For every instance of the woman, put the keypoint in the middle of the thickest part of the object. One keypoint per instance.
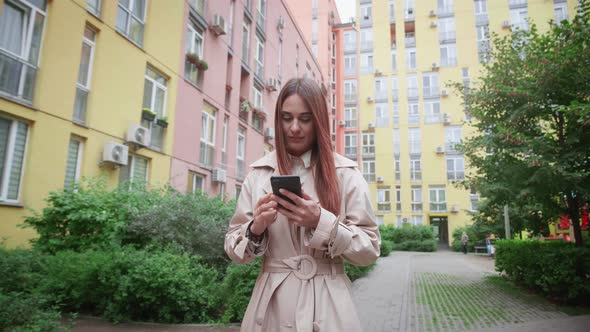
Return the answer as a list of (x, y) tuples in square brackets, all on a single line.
[(464, 240), (302, 285)]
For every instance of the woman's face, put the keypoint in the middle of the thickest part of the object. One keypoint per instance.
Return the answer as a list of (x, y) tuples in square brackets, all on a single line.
[(298, 127)]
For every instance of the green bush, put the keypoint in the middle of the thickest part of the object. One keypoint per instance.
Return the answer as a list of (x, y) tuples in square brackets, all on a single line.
[(409, 238), (236, 289), (20, 270), (386, 247), (26, 312), (416, 245), (559, 270), (354, 271)]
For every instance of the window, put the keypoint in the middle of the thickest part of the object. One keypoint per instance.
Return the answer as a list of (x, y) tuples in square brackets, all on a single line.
[(369, 170), (394, 88), (154, 98), (408, 9), (196, 182), (131, 19), (349, 64), (21, 31), (93, 6), (474, 197), (455, 168), (230, 29), (84, 75), (448, 55), (261, 14), (13, 143), (396, 142), (481, 7), (199, 6), (417, 220), (350, 145), (518, 18), (257, 121), (415, 168), (445, 7), (391, 11), (367, 63), (384, 200), (483, 42), (381, 90), (432, 111), (246, 42), (381, 115), (416, 199), (393, 60), (560, 12), (280, 61), (446, 29), (430, 87), (366, 15), (395, 113), (398, 198), (379, 220), (207, 147), (367, 38), (259, 65), (398, 171), (438, 201), (349, 41), (369, 145), (350, 91), (241, 152), (224, 144), (74, 161), (414, 140), (314, 31), (412, 82), (411, 58), (136, 170), (350, 117), (194, 45), (413, 113), (452, 137)]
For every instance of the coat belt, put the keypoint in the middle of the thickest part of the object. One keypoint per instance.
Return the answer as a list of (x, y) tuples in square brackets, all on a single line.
[(303, 267)]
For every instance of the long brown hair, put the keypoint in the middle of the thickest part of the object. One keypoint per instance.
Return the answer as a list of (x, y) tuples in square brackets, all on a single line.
[(326, 182)]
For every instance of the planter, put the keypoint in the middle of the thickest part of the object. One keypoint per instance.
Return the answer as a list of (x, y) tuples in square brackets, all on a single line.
[(162, 123), (245, 106), (193, 59), (148, 115)]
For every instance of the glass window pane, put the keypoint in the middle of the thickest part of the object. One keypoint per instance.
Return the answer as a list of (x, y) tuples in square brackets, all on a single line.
[(147, 94), (4, 132), (159, 104), (84, 64), (140, 169), (72, 163), (136, 31), (11, 28), (80, 105), (122, 19), (17, 161), (138, 8)]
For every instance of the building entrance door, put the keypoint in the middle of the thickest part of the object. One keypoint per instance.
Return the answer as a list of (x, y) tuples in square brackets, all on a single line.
[(440, 226)]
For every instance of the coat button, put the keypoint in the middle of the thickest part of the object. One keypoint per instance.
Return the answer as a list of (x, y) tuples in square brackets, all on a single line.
[(259, 321), (316, 327)]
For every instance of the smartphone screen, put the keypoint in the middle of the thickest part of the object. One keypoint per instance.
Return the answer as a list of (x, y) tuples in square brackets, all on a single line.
[(291, 183)]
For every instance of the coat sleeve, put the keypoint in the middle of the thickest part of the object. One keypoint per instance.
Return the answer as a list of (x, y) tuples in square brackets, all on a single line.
[(354, 234), (239, 248)]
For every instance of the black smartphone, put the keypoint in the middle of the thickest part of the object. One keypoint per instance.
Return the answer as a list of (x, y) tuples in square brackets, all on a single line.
[(291, 183)]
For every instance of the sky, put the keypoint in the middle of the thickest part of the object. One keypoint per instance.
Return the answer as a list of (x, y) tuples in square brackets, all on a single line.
[(346, 9)]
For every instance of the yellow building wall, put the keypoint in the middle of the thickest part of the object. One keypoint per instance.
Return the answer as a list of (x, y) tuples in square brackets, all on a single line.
[(115, 100), (434, 169)]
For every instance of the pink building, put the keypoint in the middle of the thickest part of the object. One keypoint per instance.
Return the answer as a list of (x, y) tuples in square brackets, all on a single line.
[(235, 57)]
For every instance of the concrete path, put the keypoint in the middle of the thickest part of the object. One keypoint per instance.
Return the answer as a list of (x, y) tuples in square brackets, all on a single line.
[(445, 291)]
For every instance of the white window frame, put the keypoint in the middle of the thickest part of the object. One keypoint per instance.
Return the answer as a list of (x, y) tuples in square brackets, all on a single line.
[(350, 88), (367, 63), (393, 60), (259, 57), (414, 140), (432, 113), (366, 12), (413, 112), (383, 199), (131, 15), (8, 162), (562, 7), (240, 151), (415, 168), (246, 41), (417, 220), (131, 168), (436, 204), (446, 29), (430, 86), (156, 85), (350, 117), (85, 88), (448, 55), (397, 168), (94, 10), (79, 155), (417, 202), (412, 81), (369, 170), (368, 143), (457, 172), (350, 64), (481, 7), (230, 32), (350, 144), (396, 142), (382, 115), (411, 59), (398, 199), (209, 123), (518, 18), (224, 141), (395, 112), (194, 177), (453, 136)]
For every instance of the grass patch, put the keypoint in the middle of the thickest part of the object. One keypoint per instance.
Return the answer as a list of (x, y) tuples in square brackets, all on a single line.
[(525, 295)]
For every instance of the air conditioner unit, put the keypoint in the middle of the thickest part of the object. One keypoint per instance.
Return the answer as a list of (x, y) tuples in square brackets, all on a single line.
[(446, 118), (506, 24), (439, 149), (272, 84), (370, 99), (433, 24), (380, 179), (281, 23), (370, 125), (269, 133), (435, 65), (115, 153), (432, 13), (218, 175), (139, 135), (342, 123), (454, 209), (218, 25)]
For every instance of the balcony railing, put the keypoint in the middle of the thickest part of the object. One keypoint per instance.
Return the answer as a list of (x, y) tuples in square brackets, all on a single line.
[(448, 62), (521, 26), (350, 47), (366, 69), (431, 92), (350, 98), (350, 124), (414, 119), (382, 122), (410, 41), (381, 95), (412, 93), (17, 77), (367, 45), (350, 152), (368, 151), (348, 71), (447, 36), (445, 11), (451, 146), (432, 118)]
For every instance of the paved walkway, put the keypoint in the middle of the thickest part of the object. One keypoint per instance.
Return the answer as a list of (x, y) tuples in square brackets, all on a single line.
[(415, 292), (445, 291)]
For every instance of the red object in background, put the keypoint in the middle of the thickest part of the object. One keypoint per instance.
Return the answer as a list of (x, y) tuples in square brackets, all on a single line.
[(564, 222), (567, 238), (551, 236), (585, 216)]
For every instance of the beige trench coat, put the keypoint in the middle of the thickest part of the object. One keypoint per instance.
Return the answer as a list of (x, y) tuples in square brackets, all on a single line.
[(302, 286)]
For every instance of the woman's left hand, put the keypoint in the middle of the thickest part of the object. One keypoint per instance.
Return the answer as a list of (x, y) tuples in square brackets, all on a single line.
[(304, 213)]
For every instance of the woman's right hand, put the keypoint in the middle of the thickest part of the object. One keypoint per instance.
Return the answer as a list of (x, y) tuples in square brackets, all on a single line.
[(264, 214)]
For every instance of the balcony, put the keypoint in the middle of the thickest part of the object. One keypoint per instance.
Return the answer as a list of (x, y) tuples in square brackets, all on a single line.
[(517, 3), (433, 118), (414, 119), (350, 48), (350, 98), (382, 122), (520, 26), (410, 41), (366, 21), (17, 77), (431, 92), (394, 94), (366, 69), (350, 152), (412, 93), (381, 95), (447, 36), (369, 152), (409, 15), (367, 46), (445, 11), (314, 13), (448, 62), (348, 71)]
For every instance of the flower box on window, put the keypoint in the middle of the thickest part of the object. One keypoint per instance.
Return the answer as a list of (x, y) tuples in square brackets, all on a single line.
[(163, 122), (194, 59), (261, 113), (245, 105), (147, 114)]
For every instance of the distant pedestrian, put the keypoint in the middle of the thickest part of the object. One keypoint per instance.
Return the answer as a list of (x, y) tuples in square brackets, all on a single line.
[(464, 240)]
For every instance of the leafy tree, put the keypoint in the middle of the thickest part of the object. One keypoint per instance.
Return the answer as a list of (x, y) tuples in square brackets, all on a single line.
[(532, 111)]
